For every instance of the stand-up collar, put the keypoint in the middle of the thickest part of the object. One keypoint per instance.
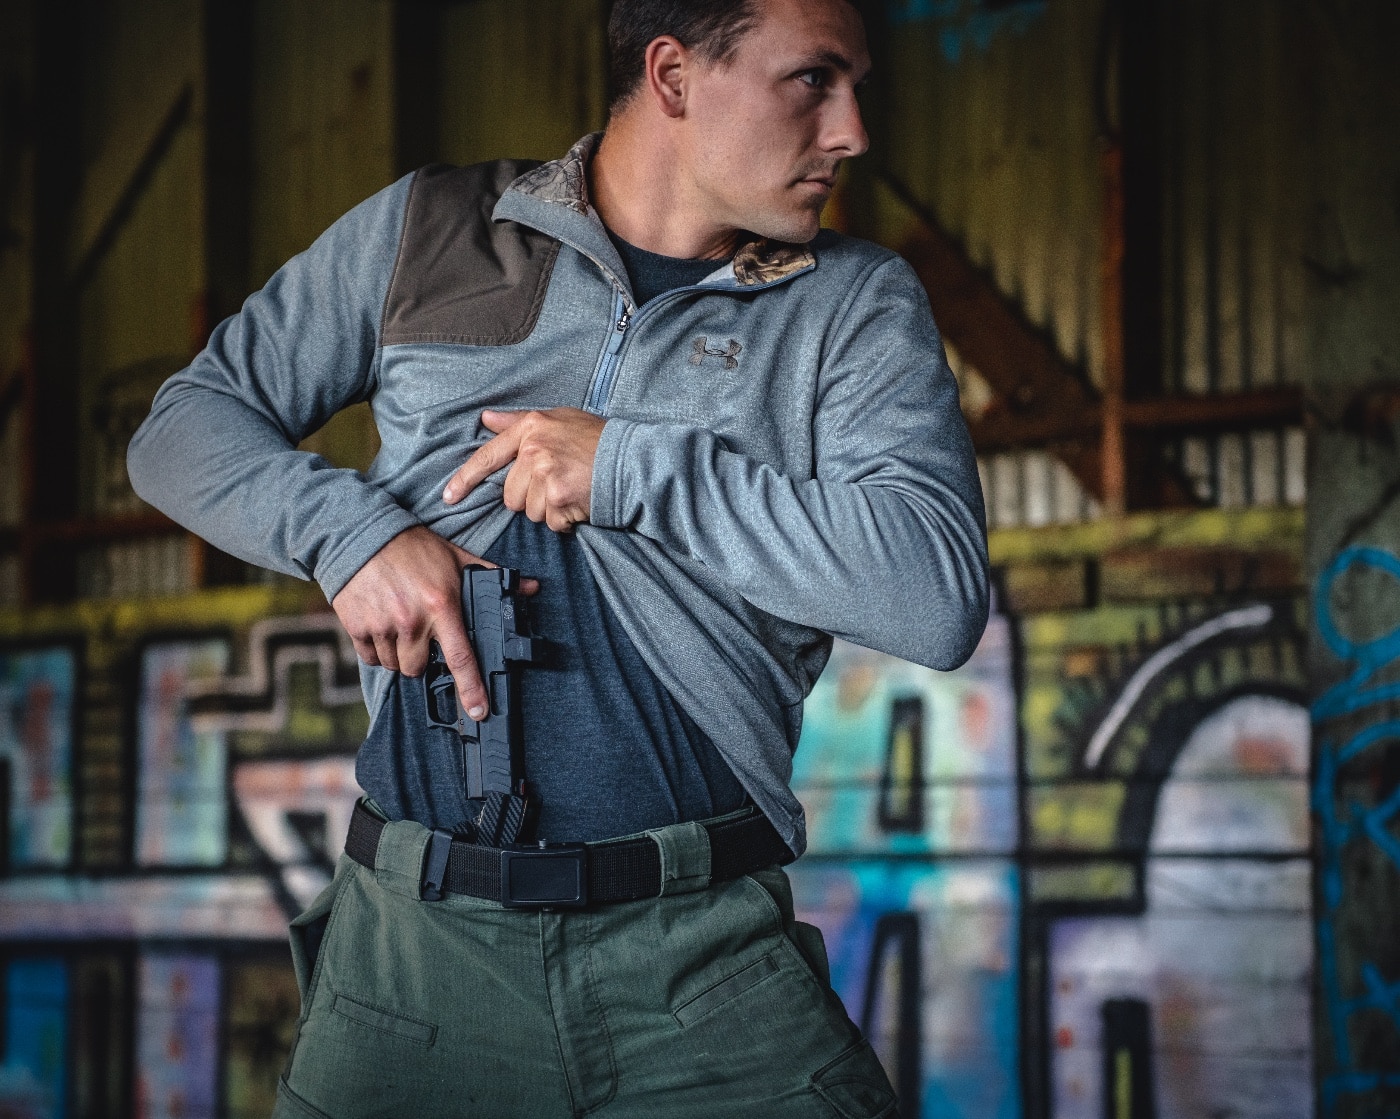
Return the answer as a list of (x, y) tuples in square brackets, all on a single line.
[(554, 195)]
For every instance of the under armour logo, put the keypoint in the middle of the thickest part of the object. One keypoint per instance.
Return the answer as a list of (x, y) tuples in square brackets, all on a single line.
[(700, 350)]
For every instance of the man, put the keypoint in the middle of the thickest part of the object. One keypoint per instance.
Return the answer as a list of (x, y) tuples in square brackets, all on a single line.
[(731, 436)]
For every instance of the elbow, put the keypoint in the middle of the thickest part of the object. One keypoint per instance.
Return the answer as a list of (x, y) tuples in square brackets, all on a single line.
[(953, 630), (960, 636), (142, 467), (151, 453)]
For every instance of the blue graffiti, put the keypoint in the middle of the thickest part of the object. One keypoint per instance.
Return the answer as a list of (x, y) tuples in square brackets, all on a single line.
[(1342, 824), (967, 25)]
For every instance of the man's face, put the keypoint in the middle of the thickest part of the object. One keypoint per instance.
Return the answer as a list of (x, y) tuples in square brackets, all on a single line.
[(770, 126)]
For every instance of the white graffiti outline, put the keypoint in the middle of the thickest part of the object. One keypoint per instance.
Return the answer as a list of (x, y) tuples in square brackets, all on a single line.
[(1247, 617), (273, 674)]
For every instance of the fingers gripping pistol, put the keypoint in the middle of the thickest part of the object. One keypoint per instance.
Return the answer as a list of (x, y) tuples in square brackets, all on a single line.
[(492, 755)]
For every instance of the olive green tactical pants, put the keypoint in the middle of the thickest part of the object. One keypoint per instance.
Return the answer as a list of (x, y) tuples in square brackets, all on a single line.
[(710, 1001)]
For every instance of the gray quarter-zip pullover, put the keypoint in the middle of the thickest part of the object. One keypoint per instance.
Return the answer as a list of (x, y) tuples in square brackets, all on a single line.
[(784, 458)]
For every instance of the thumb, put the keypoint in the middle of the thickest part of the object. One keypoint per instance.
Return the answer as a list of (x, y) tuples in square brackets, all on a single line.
[(465, 558)]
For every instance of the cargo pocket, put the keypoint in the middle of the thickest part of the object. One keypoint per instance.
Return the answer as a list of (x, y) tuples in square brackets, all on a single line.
[(855, 1085)]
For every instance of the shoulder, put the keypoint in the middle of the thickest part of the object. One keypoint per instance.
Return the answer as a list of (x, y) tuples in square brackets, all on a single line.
[(443, 193), (850, 256), (452, 256), (854, 273), (865, 281)]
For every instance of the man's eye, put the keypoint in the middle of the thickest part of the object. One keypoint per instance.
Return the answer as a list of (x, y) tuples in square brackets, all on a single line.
[(814, 78)]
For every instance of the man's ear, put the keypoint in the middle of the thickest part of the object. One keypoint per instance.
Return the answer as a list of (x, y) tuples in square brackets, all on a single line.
[(667, 63)]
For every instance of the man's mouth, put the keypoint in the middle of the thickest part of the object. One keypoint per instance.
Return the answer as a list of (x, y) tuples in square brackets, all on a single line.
[(822, 177)]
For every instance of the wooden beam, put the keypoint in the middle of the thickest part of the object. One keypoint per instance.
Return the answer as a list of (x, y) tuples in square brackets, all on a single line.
[(1039, 391), (1112, 437), (100, 530), (159, 147), (418, 30), (228, 160), (1274, 407), (1000, 429), (106, 530), (51, 440), (1019, 362)]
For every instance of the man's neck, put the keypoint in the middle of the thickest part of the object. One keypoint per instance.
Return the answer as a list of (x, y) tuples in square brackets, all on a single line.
[(640, 191)]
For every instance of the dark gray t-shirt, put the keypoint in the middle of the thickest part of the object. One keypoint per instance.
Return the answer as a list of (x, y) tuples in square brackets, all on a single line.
[(608, 751)]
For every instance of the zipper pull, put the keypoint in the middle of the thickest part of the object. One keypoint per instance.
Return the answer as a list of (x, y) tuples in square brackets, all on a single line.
[(623, 322)]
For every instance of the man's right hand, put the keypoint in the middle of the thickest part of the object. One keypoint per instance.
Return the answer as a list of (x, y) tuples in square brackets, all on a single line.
[(411, 591)]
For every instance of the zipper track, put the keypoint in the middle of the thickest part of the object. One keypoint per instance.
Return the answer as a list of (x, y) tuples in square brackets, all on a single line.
[(625, 319), (600, 387)]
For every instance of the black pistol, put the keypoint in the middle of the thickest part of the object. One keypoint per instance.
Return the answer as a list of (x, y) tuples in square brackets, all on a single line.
[(498, 628)]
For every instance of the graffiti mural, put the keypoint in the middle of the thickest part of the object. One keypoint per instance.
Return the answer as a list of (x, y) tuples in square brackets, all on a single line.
[(177, 1039), (925, 957), (1220, 958), (181, 799), (32, 1076), (1070, 879), (37, 688), (243, 783), (898, 759), (897, 766), (1168, 861), (1356, 799), (968, 25)]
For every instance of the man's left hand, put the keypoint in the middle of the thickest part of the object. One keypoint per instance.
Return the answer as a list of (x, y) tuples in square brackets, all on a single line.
[(553, 454)]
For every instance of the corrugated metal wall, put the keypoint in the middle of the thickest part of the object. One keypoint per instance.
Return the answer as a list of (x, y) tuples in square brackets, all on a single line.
[(993, 127), (1000, 143)]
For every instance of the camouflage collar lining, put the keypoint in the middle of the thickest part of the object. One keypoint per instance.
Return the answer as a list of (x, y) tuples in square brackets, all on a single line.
[(564, 182), (761, 261)]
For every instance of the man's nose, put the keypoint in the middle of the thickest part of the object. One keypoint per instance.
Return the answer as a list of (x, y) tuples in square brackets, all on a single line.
[(845, 131)]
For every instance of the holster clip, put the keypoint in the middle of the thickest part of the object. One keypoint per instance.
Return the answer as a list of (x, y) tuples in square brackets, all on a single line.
[(435, 864)]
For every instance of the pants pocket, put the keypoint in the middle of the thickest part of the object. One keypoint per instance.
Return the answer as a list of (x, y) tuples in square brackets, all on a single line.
[(289, 1105), (386, 1021), (813, 948), (712, 998), (774, 891), (308, 931)]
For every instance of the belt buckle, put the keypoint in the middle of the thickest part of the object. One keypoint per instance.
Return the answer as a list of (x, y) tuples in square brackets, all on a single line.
[(550, 876)]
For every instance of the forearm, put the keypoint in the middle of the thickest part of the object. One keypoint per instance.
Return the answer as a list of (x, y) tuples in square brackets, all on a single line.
[(214, 465), (895, 564), (218, 452)]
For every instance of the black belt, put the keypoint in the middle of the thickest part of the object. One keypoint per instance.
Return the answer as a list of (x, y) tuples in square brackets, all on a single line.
[(570, 875)]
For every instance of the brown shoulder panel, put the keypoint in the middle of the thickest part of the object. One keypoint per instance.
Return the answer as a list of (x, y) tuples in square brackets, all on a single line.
[(459, 276)]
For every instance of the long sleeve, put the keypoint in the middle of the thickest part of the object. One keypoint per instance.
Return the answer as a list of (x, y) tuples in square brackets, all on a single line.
[(885, 545), (218, 451)]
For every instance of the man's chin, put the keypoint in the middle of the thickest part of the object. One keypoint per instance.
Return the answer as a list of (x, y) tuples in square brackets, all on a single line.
[(795, 229)]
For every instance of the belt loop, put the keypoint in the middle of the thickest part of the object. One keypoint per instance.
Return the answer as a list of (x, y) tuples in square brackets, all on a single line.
[(398, 862), (685, 857)]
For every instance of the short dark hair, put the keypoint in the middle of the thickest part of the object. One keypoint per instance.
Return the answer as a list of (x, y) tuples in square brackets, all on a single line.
[(710, 28)]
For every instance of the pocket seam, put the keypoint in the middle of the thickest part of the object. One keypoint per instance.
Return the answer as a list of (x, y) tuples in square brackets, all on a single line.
[(780, 931), (314, 981), (381, 1019), (725, 991)]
